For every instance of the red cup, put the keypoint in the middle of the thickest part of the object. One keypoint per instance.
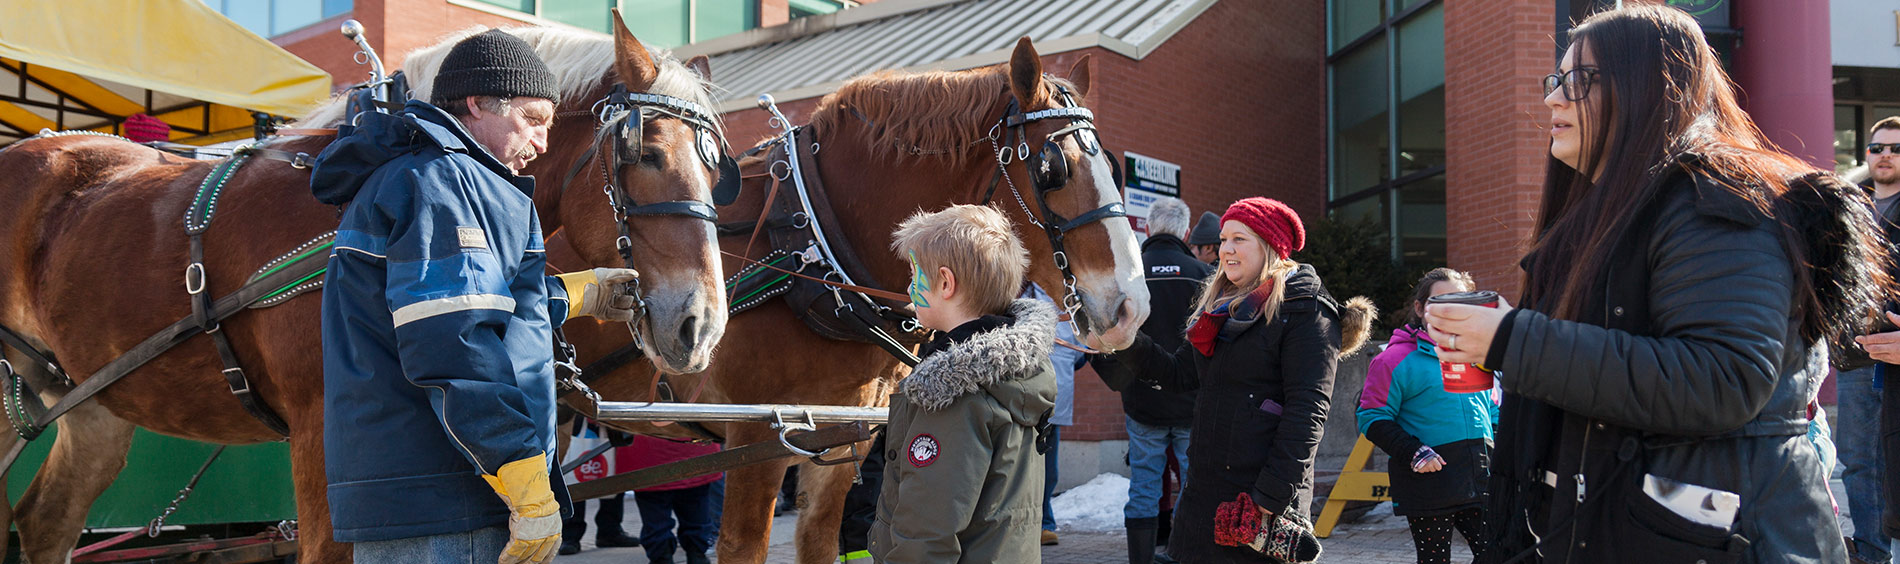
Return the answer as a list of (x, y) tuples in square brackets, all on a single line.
[(1463, 378)]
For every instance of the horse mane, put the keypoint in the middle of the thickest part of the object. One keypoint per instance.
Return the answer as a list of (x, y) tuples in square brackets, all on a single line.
[(579, 60), (931, 113)]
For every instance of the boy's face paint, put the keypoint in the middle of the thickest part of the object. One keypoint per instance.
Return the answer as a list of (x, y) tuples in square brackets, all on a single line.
[(919, 283)]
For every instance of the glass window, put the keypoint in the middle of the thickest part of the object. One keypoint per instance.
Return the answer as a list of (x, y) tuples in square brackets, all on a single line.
[(1392, 84), (287, 15), (1370, 209), (719, 18), (1421, 228), (1353, 18), (802, 8), (1848, 150), (658, 23), (1360, 130), (334, 7), (1880, 113), (595, 15), (254, 16), (1422, 91), (526, 6)]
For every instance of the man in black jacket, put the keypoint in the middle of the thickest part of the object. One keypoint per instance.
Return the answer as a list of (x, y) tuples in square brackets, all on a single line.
[(1861, 390), (1159, 419)]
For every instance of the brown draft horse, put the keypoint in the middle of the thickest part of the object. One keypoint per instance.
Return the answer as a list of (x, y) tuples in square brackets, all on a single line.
[(92, 247), (893, 144)]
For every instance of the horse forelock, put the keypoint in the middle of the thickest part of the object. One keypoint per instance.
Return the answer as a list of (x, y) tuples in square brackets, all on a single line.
[(931, 113), (579, 60)]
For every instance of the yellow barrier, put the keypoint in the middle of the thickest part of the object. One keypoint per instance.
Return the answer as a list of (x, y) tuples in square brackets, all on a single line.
[(1355, 484)]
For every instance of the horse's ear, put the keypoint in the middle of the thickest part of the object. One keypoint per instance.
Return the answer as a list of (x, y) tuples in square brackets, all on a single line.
[(1025, 74), (631, 58), (702, 65), (1079, 74)]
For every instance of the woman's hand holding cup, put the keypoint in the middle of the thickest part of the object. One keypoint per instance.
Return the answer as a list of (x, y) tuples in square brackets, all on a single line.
[(1463, 332)]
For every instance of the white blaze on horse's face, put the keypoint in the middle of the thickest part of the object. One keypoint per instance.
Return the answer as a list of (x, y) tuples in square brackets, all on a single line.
[(1100, 288)]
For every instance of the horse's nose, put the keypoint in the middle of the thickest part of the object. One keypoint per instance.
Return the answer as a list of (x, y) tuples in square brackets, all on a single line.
[(689, 334)]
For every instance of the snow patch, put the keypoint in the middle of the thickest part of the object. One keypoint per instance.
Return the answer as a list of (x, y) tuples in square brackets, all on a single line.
[(1095, 506)]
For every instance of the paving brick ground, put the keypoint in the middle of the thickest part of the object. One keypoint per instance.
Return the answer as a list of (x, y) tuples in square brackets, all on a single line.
[(1376, 543), (1382, 541)]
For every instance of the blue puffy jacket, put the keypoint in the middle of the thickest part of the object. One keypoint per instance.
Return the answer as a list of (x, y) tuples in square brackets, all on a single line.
[(438, 320)]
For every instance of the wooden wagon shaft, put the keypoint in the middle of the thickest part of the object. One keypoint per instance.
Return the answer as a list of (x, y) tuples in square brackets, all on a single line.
[(754, 453), (225, 551), (736, 413)]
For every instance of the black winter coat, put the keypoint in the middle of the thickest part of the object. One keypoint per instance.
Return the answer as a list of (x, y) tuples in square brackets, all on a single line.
[(1689, 366), (1238, 446), (1890, 395), (1175, 279)]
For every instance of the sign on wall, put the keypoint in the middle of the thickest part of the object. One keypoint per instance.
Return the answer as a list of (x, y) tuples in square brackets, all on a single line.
[(1148, 178)]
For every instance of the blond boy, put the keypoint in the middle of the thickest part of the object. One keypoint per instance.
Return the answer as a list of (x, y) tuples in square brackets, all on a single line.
[(962, 472)]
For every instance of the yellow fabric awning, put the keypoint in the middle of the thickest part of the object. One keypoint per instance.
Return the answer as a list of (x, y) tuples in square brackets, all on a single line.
[(94, 56)]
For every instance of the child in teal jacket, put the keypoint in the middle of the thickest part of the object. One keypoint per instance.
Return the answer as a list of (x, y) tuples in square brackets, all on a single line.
[(1439, 441)]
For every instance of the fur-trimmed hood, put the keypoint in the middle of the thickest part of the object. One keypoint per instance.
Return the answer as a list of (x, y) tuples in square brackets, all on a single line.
[(1010, 363)]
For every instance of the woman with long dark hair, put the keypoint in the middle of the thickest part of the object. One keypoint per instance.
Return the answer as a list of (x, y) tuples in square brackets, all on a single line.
[(1685, 283)]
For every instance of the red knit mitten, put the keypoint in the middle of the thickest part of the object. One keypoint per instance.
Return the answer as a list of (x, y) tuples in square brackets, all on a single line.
[(1236, 522)]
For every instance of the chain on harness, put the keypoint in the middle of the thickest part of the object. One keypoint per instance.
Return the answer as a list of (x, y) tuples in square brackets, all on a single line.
[(1048, 172)]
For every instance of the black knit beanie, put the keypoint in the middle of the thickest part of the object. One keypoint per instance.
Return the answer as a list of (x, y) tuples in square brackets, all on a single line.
[(492, 63), (1206, 230)]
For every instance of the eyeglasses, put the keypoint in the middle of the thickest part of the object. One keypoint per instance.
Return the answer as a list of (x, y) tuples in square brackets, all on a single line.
[(1878, 148), (1576, 83)]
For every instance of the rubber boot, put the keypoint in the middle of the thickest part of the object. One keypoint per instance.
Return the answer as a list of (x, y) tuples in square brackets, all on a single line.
[(1166, 522), (1141, 540)]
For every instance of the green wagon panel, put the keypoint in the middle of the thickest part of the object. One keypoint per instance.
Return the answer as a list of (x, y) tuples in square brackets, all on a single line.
[(249, 483)]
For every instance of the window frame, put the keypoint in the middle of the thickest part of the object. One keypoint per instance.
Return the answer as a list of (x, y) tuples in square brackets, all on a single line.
[(1337, 196)]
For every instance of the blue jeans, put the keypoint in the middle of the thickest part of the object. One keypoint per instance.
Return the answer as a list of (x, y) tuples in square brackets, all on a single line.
[(696, 529), (480, 546), (1858, 441), (1049, 474), (1147, 459)]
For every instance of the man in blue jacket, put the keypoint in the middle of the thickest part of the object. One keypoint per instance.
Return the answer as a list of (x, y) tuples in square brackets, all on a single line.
[(438, 319)]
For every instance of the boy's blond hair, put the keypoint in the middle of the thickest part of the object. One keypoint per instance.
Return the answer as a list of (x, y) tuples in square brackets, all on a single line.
[(976, 243)]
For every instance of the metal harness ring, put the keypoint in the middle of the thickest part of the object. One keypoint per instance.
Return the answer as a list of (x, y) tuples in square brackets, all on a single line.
[(785, 429)]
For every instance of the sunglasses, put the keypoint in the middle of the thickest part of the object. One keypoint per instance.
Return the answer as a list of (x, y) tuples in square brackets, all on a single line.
[(1878, 148), (1575, 83)]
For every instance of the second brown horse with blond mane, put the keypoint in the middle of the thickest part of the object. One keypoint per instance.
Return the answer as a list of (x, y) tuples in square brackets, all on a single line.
[(894, 144), (92, 247)]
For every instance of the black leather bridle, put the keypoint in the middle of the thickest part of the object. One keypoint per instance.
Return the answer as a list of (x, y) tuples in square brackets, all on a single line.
[(1048, 172), (622, 118)]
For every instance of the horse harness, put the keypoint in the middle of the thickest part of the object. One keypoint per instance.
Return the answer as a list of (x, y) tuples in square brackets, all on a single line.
[(619, 139), (1049, 172), (279, 280), (799, 232)]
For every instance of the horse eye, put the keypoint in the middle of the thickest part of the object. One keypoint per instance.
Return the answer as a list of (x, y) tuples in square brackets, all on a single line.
[(650, 156)]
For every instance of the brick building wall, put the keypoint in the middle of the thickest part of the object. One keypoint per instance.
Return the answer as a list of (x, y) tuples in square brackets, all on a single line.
[(393, 27), (1496, 55)]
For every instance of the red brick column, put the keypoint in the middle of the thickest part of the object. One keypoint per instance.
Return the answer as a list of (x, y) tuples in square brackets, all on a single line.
[(1785, 72), (1496, 145)]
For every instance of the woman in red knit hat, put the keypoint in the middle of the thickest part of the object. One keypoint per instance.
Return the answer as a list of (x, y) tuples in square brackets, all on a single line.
[(1261, 347)]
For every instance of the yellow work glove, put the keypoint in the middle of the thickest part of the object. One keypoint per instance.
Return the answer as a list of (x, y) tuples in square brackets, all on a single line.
[(534, 518), (596, 293)]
